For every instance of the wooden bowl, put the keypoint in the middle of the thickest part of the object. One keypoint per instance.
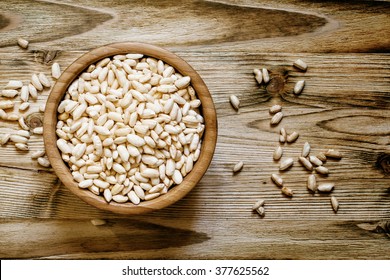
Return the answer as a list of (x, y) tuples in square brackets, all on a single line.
[(207, 109)]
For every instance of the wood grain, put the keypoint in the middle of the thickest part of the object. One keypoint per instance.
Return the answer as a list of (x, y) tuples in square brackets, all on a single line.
[(345, 105), (129, 239), (25, 19), (289, 26)]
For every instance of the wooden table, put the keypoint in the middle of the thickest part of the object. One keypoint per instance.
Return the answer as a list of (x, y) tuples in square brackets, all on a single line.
[(345, 105)]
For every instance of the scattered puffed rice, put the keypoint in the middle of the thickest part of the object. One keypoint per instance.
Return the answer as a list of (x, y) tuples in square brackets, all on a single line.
[(265, 75), (23, 43), (55, 70), (98, 222), (277, 118), (275, 108), (235, 101), (335, 203), (299, 87), (258, 75), (238, 166), (258, 204), (300, 64), (292, 137)]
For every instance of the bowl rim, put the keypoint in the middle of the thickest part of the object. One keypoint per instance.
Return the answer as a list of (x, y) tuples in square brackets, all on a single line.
[(209, 138)]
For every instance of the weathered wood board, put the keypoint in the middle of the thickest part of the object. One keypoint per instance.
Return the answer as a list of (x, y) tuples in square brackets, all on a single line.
[(345, 105)]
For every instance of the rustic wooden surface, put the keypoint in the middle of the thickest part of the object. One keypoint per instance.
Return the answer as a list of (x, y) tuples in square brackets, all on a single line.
[(345, 105)]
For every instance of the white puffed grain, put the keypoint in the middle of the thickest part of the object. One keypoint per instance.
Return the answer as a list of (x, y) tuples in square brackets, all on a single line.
[(98, 222), (38, 154), (312, 182), (55, 70), (177, 177), (44, 80), (139, 191), (150, 173), (258, 76), (287, 191), (298, 88), (147, 186), (260, 211), (235, 101), (13, 117), (33, 91), (278, 152), (3, 114), (157, 188), (275, 109), (120, 198), (14, 84), (276, 119), (306, 149), (23, 43), (9, 93), (36, 82), (195, 103), (18, 139), (94, 189), (107, 195), (306, 163), (315, 160), (183, 82), (63, 146), (238, 166), (135, 140), (333, 154), (277, 180), (101, 184), (21, 146), (151, 196), (325, 187), (300, 64), (6, 104), (292, 137), (265, 75), (86, 184), (94, 169), (133, 197), (77, 176), (5, 138), (322, 170), (43, 162), (335, 204), (321, 156), (258, 203), (23, 133), (286, 163), (22, 123), (24, 106)]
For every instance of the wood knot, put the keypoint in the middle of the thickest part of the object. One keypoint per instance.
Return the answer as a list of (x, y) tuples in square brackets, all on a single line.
[(45, 56), (34, 120), (383, 227), (377, 227), (4, 22), (278, 80), (383, 163)]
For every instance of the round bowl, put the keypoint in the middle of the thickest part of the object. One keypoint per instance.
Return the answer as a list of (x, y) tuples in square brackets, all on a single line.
[(207, 109)]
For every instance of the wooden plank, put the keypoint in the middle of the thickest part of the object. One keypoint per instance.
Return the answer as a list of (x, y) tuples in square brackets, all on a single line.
[(164, 239), (345, 105), (325, 115), (285, 26)]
